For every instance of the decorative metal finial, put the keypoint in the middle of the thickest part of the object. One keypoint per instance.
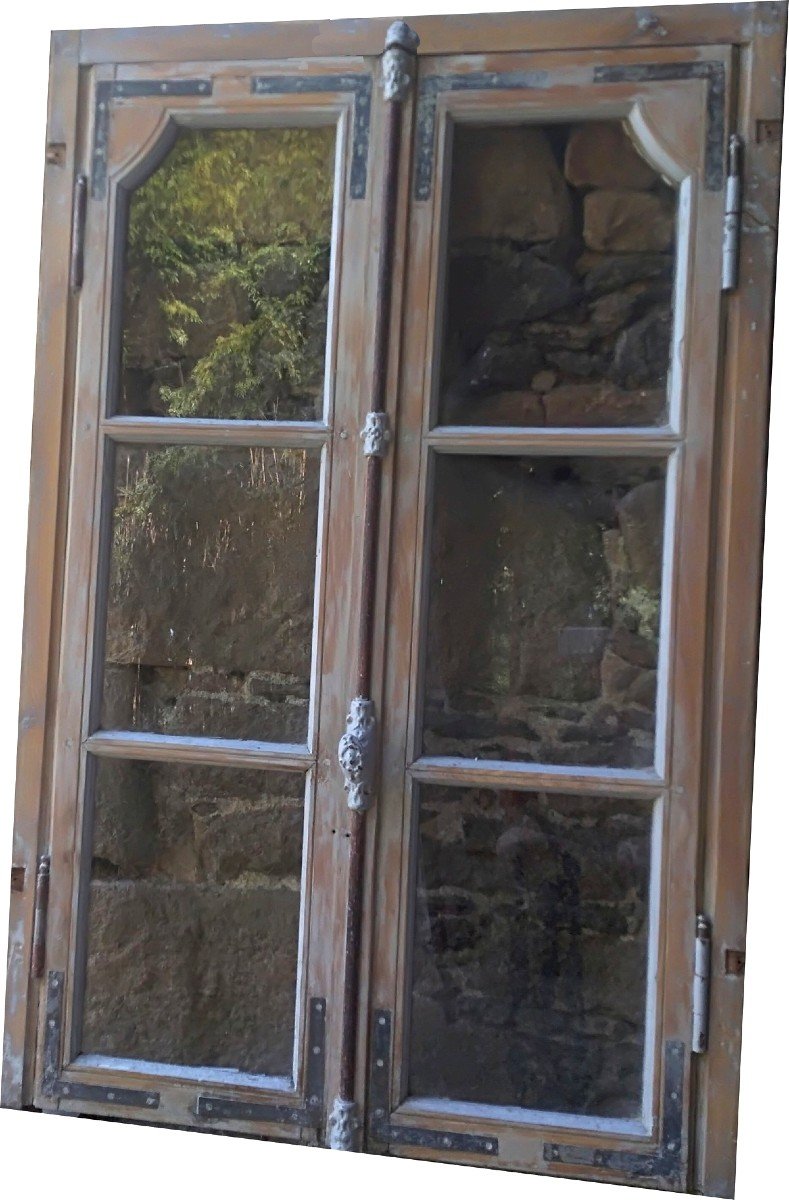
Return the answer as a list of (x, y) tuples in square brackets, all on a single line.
[(400, 47), (356, 752)]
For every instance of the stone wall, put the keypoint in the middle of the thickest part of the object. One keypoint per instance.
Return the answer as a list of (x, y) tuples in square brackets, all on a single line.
[(559, 285), (531, 912), (529, 973), (194, 915), (531, 919)]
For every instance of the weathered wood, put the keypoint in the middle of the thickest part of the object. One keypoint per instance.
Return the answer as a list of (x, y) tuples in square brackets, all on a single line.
[(678, 77), (689, 25), (737, 543), (151, 747), (44, 549), (185, 431)]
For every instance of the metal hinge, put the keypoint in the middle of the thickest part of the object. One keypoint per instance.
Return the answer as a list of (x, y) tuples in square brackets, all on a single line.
[(701, 984), (732, 216), (78, 212), (39, 948)]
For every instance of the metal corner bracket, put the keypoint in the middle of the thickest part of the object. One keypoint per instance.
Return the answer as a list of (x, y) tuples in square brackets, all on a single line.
[(664, 1163), (307, 1115), (388, 1132), (54, 1085)]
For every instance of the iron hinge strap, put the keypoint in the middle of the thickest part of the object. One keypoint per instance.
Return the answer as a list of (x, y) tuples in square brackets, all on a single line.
[(666, 1162), (308, 1115), (384, 1129), (732, 216)]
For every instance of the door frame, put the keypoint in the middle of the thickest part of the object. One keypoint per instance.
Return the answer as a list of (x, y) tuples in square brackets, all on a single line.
[(668, 106), (757, 34)]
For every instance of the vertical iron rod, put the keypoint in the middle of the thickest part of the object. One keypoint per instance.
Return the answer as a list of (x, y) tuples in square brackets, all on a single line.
[(372, 515), (401, 43)]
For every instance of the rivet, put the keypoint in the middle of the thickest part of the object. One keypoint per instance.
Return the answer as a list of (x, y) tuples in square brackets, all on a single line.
[(379, 1062), (382, 1020), (110, 1095), (488, 1145), (209, 1108), (150, 1100), (316, 1049)]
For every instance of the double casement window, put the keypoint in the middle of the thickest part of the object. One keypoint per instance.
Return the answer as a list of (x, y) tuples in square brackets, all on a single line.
[(388, 683)]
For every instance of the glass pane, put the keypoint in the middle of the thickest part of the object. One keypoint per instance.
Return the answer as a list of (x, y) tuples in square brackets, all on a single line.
[(212, 576), (530, 950), (227, 277), (559, 280), (544, 603), (193, 922)]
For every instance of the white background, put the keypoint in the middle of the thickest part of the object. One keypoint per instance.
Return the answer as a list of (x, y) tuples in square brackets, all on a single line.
[(71, 1158)]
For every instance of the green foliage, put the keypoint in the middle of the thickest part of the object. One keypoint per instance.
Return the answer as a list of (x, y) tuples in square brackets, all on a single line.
[(227, 266)]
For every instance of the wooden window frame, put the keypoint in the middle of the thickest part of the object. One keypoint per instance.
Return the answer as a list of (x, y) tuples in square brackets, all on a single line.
[(756, 35)]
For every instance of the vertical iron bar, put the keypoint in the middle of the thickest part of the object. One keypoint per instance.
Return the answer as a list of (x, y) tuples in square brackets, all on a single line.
[(38, 953), (78, 214), (398, 68)]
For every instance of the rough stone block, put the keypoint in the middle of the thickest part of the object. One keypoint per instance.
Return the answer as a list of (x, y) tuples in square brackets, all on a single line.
[(600, 154), (641, 522), (196, 975), (616, 221), (603, 404), (506, 183)]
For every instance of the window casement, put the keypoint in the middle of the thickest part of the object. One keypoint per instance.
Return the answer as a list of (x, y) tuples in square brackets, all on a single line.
[(394, 559)]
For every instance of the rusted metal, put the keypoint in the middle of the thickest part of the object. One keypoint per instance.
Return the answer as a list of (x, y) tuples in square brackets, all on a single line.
[(714, 74), (666, 1162), (108, 90), (56, 154), (307, 1115), (38, 950), (384, 1129), (360, 85), (398, 72), (52, 1082), (78, 213)]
